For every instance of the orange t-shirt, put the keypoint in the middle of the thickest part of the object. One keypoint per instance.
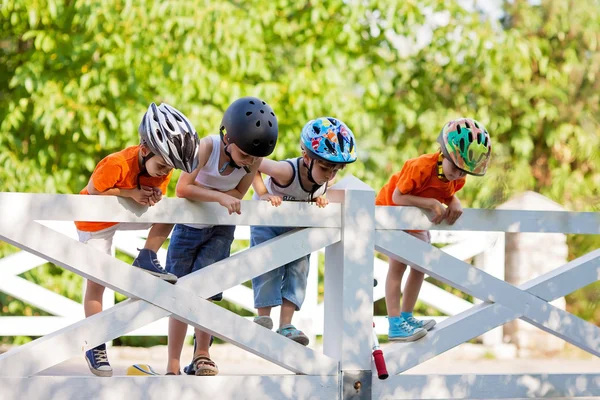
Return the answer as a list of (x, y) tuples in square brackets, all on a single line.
[(419, 177), (120, 170)]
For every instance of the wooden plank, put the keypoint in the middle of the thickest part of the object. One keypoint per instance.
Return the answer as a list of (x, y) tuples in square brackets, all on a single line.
[(188, 305), (40, 297), (470, 280), (564, 280), (249, 387), (537, 386), (402, 218), (63, 207), (348, 302)]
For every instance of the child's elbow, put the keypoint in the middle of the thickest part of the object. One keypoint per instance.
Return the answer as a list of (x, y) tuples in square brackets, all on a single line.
[(181, 191)]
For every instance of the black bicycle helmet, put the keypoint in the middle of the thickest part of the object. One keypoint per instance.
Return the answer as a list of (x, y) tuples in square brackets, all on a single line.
[(250, 124)]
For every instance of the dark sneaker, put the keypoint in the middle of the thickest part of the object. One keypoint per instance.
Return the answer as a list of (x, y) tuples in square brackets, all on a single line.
[(148, 261), (98, 361)]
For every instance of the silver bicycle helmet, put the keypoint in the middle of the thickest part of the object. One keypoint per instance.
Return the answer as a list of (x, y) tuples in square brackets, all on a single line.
[(169, 134)]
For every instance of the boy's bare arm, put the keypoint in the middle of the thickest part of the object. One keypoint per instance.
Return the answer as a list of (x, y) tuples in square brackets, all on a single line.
[(259, 185), (142, 195), (240, 190), (439, 211), (281, 171)]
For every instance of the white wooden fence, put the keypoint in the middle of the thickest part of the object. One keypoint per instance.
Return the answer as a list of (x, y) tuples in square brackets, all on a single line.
[(350, 230)]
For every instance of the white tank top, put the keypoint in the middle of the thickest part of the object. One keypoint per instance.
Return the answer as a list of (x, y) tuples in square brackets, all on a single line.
[(209, 175), (294, 191)]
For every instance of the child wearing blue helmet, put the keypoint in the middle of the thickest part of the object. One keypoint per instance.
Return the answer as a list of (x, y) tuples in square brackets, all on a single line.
[(327, 146)]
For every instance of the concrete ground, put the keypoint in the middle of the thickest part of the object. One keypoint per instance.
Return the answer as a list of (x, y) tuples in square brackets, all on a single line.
[(464, 359)]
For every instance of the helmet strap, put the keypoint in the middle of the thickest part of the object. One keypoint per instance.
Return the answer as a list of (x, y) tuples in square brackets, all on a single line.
[(441, 168), (230, 162), (143, 170), (309, 167)]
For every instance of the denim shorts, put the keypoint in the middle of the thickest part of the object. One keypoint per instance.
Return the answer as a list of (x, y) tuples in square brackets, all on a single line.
[(286, 282), (192, 249)]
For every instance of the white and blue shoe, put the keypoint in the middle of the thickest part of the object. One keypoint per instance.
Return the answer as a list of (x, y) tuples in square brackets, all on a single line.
[(402, 331), (147, 260), (426, 324), (98, 361)]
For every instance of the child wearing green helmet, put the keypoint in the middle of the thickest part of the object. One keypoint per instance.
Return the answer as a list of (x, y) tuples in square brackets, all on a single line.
[(428, 182)]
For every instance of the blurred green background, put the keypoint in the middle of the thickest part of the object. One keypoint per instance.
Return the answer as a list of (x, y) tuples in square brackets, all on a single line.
[(77, 75)]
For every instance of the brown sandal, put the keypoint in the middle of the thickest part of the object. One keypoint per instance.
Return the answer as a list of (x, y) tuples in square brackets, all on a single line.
[(205, 366)]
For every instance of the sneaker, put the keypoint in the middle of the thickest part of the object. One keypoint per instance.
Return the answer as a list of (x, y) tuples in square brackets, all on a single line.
[(291, 332), (148, 261), (426, 324), (98, 361), (402, 331), (265, 321)]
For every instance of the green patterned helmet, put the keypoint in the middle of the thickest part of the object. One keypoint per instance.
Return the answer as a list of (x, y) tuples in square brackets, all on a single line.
[(467, 144)]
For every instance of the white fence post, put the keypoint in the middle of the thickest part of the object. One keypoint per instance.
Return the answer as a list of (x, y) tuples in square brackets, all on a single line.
[(349, 288), (492, 262)]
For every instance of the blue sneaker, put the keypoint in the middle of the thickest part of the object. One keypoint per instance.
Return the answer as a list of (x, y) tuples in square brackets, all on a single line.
[(426, 324), (98, 361), (148, 261), (402, 331)]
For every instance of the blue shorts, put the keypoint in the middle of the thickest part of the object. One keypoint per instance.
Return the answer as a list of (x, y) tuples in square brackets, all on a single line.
[(192, 249), (286, 282)]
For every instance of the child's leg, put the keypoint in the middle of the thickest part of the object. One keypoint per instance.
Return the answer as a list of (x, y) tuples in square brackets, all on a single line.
[(266, 287), (157, 236), (181, 255), (392, 287), (215, 247), (412, 289), (96, 358), (92, 302), (293, 291), (177, 331)]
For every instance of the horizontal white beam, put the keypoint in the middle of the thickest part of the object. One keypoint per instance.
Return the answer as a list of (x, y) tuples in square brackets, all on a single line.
[(547, 386), (40, 297), (66, 207), (249, 387), (402, 218)]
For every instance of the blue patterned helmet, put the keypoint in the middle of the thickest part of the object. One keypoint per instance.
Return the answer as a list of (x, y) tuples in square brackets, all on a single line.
[(330, 140)]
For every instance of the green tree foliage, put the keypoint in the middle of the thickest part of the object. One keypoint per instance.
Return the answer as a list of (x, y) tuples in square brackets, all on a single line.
[(77, 75)]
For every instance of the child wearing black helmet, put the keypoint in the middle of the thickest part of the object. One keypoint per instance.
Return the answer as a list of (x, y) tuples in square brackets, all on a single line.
[(228, 163)]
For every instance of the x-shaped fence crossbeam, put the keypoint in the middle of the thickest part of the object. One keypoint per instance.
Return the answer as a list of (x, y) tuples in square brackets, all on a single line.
[(153, 299), (503, 302)]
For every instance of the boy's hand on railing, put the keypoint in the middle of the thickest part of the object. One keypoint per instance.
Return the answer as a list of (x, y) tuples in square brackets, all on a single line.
[(321, 201), (454, 211), (142, 195), (155, 197), (271, 198), (232, 204), (439, 211)]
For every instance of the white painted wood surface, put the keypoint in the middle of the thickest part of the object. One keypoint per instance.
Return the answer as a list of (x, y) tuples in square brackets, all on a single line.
[(350, 232)]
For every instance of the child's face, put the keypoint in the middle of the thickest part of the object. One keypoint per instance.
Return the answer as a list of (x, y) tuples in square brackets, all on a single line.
[(241, 158), (156, 166), (322, 171), (450, 171)]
